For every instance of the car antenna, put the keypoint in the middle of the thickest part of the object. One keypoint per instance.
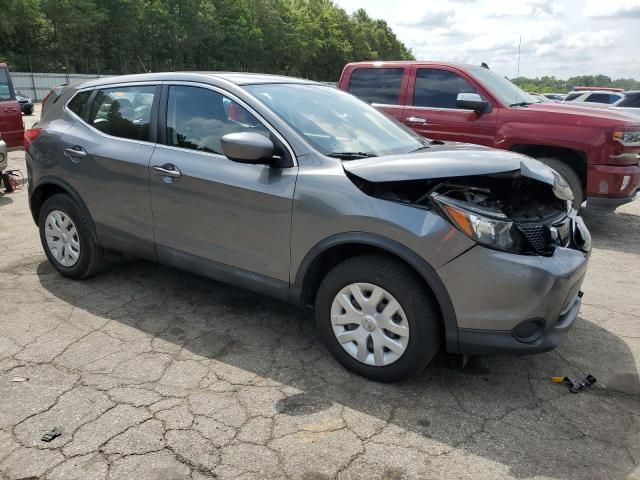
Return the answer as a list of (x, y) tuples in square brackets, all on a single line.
[(518, 68)]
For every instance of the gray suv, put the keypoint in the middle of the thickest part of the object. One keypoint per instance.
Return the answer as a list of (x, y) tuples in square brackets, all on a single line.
[(304, 193)]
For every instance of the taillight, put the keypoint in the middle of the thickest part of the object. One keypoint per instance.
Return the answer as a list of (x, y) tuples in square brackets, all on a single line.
[(29, 136)]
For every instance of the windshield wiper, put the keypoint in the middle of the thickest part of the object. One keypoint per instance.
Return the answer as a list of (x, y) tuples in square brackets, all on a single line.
[(351, 155), (521, 104), (424, 147)]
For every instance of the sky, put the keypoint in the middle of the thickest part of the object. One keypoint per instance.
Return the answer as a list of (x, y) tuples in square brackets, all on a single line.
[(562, 38)]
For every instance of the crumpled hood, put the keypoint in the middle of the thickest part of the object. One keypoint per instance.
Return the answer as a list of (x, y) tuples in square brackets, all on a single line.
[(448, 160)]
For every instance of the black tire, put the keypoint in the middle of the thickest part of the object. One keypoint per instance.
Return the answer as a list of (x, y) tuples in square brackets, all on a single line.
[(570, 176), (419, 305), (91, 259)]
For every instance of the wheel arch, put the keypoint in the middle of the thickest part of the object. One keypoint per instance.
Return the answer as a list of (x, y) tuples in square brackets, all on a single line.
[(337, 248), (576, 159), (46, 188)]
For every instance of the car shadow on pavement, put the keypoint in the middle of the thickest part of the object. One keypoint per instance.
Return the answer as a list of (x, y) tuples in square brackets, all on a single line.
[(617, 231), (503, 409)]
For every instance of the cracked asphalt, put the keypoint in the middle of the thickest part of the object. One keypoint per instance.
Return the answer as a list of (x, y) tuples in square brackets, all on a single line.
[(152, 373)]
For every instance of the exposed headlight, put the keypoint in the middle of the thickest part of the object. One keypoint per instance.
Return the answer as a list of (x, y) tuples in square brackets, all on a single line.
[(490, 229), (628, 139), (561, 188)]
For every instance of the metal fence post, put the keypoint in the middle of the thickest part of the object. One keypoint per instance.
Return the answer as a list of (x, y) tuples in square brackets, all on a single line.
[(33, 81)]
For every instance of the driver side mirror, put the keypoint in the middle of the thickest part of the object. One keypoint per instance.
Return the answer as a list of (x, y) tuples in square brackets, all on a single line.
[(248, 147), (472, 101)]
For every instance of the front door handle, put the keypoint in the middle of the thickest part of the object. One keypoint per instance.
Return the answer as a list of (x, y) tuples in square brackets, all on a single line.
[(11, 109), (76, 151), (167, 170), (418, 120)]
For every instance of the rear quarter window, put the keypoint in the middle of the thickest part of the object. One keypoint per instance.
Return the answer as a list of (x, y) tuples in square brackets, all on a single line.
[(78, 103), (377, 85)]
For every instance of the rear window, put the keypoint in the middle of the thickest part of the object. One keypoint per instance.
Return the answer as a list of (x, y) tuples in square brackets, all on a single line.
[(77, 103), (377, 85), (123, 112), (5, 88)]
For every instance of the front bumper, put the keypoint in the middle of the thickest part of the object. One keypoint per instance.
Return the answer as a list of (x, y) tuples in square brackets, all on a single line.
[(610, 186), (4, 158), (26, 107), (495, 293)]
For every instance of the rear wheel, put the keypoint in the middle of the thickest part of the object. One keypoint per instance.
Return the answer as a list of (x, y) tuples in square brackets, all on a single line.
[(67, 238), (570, 176), (377, 318)]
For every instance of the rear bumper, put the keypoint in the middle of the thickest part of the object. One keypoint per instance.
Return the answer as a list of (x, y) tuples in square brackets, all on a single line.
[(497, 295), (610, 186)]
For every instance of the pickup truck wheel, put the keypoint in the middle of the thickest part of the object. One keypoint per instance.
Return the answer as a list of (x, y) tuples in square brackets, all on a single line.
[(67, 238), (377, 318), (570, 176)]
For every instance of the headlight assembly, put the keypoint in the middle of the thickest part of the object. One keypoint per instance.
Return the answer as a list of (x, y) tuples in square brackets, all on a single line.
[(628, 139), (490, 229)]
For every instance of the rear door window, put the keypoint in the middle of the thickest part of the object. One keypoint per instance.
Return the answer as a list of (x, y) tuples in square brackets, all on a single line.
[(377, 85), (5, 85), (123, 112), (439, 88), (602, 98), (197, 118)]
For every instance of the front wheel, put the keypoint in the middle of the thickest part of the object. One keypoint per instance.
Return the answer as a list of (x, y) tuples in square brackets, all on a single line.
[(378, 318)]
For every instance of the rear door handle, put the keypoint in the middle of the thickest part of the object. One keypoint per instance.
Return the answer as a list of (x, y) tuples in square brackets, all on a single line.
[(76, 151), (167, 170), (418, 120), (11, 109)]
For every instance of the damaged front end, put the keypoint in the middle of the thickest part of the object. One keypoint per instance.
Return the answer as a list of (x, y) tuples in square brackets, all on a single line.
[(524, 211)]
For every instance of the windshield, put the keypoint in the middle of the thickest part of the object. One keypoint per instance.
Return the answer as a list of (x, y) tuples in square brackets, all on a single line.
[(337, 123), (502, 88)]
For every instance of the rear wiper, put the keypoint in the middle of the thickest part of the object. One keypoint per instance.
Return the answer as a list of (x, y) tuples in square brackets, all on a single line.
[(520, 104), (351, 155)]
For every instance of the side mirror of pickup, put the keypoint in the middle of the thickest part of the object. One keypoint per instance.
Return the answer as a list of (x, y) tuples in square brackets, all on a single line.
[(472, 101)]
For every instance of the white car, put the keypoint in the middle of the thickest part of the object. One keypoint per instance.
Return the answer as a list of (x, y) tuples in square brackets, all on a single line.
[(628, 101), (603, 97)]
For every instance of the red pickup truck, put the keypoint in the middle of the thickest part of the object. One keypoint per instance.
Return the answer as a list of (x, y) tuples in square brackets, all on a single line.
[(11, 124), (597, 151)]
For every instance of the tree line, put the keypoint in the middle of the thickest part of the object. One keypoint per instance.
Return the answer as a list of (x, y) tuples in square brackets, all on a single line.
[(306, 38), (551, 84)]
